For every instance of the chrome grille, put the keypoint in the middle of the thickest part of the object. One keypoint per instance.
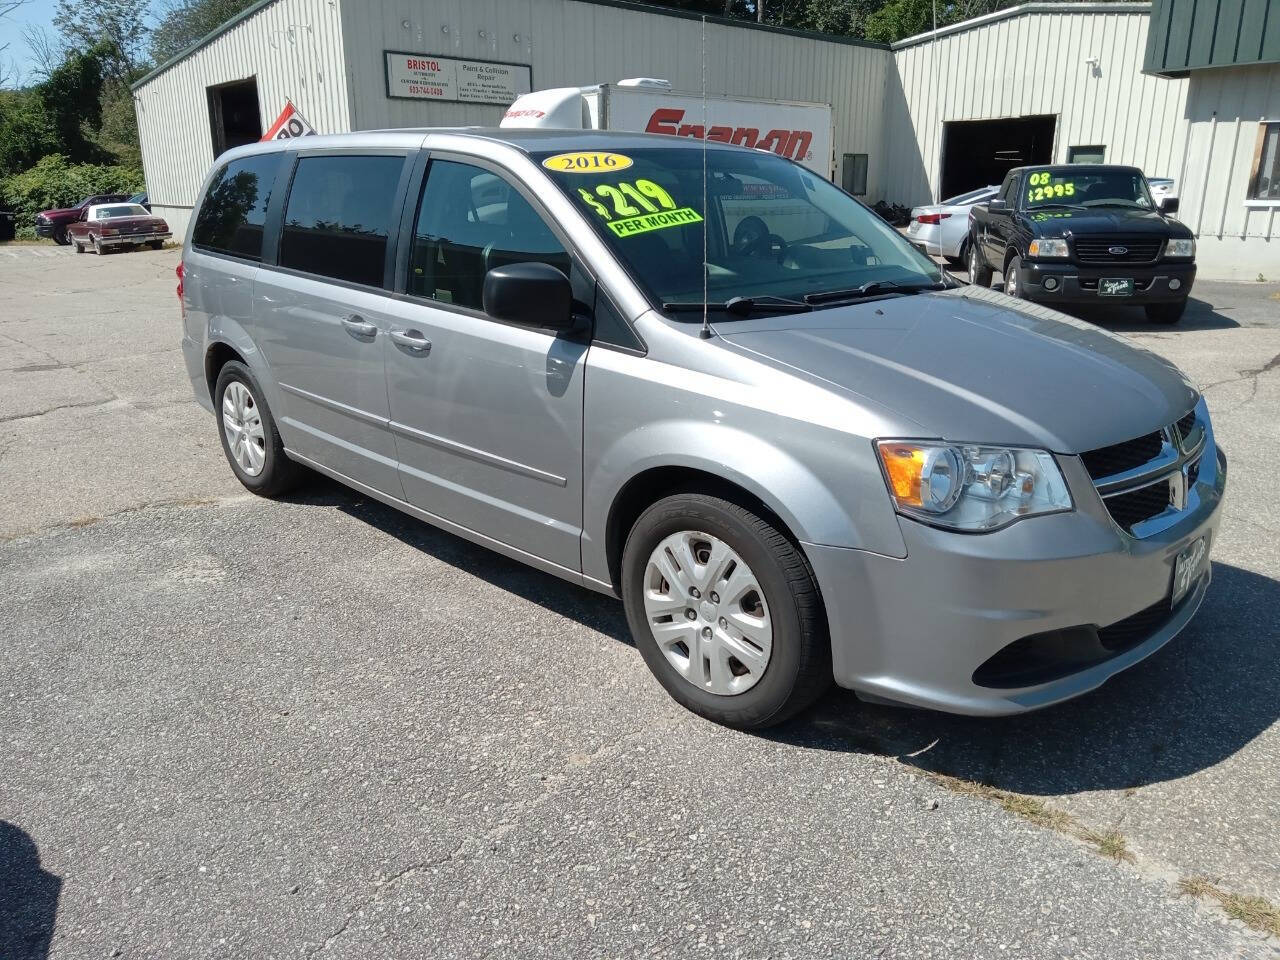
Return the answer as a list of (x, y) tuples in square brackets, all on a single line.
[(1100, 249), (1150, 475)]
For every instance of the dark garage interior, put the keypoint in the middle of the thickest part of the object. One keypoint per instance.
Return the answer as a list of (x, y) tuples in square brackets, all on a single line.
[(234, 117), (976, 153)]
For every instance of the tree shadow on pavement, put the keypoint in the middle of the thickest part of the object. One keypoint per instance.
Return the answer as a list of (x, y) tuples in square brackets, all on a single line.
[(28, 897), (1191, 705), (1194, 703)]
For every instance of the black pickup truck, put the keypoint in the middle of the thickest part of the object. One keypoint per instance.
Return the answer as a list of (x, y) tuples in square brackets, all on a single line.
[(1084, 233)]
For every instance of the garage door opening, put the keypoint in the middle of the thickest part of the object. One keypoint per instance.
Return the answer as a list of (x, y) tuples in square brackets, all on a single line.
[(976, 153), (234, 117)]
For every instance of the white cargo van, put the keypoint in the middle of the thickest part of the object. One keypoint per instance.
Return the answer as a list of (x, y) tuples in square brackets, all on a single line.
[(797, 131)]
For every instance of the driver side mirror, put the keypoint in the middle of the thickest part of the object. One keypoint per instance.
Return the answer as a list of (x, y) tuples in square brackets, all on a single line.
[(529, 294), (998, 206), (1169, 205)]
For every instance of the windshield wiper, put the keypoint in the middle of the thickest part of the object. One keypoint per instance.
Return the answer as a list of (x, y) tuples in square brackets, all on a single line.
[(1064, 206), (740, 306), (870, 289)]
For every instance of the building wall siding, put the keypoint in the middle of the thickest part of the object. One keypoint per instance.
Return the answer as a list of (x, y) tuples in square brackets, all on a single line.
[(172, 107), (1033, 64), (570, 43), (1236, 239)]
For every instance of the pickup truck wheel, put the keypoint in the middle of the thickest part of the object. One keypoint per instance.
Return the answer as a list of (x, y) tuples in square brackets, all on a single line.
[(979, 271), (725, 611), (60, 236), (1166, 312), (249, 435), (1012, 285)]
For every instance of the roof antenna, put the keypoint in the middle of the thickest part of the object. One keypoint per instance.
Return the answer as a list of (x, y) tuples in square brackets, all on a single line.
[(705, 332)]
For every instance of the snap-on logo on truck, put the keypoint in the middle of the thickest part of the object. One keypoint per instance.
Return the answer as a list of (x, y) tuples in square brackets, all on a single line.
[(792, 144)]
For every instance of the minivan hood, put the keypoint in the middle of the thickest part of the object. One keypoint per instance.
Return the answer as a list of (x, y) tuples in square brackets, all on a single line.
[(973, 365)]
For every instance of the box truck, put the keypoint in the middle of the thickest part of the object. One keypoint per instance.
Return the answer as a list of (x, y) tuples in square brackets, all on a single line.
[(799, 131)]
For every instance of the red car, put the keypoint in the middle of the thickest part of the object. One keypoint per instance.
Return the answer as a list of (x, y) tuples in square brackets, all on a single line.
[(54, 223), (107, 225)]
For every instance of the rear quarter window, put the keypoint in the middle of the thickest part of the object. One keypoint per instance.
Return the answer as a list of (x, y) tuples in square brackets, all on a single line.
[(234, 210)]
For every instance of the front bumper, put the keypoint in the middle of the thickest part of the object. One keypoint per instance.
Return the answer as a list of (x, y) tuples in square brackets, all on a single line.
[(131, 239), (915, 630), (45, 229), (1079, 284)]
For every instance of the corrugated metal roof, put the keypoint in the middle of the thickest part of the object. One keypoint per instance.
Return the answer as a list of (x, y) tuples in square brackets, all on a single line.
[(1190, 35), (1020, 11)]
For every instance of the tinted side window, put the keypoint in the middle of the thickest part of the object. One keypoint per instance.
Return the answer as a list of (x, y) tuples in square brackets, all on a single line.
[(339, 216), (470, 221), (1008, 191), (235, 207)]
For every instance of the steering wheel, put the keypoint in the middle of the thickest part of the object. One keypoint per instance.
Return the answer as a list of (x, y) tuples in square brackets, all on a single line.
[(751, 238)]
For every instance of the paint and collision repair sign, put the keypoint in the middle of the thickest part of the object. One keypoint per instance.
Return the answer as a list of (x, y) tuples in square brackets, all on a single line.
[(424, 76)]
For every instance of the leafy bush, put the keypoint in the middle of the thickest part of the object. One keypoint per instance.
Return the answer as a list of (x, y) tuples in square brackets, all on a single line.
[(55, 183)]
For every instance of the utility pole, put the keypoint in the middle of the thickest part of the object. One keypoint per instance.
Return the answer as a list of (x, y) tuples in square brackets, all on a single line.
[(759, 11)]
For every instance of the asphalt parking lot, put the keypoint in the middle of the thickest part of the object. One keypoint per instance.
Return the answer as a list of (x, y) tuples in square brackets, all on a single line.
[(239, 728)]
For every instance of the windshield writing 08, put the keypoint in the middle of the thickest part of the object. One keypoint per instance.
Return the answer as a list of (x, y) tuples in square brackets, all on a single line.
[(1071, 188), (772, 230)]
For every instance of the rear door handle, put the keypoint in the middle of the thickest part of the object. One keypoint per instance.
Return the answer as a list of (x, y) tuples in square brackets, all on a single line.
[(412, 339), (358, 326)]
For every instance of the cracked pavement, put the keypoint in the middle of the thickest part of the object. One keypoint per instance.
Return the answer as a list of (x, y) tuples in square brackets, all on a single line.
[(317, 727)]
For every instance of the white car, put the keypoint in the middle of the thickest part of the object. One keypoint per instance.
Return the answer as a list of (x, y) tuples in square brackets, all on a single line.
[(942, 229)]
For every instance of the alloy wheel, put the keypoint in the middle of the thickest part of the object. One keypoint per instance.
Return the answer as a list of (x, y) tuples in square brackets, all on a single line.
[(973, 263), (242, 423), (707, 613)]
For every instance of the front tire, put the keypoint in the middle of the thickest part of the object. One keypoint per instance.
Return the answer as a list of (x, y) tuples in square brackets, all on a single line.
[(250, 439), (60, 236), (755, 650), (1169, 313), (1012, 284), (979, 270)]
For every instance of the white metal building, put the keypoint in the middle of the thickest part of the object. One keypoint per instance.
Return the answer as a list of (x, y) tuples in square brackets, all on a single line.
[(936, 114), (329, 57)]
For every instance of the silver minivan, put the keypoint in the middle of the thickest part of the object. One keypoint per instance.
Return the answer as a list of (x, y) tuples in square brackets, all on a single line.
[(707, 381)]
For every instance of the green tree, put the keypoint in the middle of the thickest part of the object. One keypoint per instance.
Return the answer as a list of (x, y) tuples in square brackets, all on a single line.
[(71, 101), (116, 27), (24, 130), (183, 22), (901, 18)]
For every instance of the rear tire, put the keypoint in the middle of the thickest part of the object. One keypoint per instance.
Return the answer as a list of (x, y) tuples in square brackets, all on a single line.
[(785, 650), (249, 436), (79, 246), (156, 244), (97, 245), (979, 269)]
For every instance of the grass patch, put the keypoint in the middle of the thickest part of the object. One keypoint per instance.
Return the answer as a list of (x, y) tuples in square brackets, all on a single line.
[(1256, 912), (1111, 844), (1028, 808)]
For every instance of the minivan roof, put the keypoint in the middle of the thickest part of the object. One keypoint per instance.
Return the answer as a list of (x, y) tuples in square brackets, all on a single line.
[(526, 139)]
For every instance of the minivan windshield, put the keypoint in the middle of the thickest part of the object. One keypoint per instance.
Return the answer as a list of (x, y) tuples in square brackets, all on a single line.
[(774, 233)]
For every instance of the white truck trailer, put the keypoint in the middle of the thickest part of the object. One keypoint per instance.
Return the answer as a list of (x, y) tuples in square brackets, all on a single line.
[(799, 131)]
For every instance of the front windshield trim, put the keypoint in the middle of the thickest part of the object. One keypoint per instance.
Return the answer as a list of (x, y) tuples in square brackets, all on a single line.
[(810, 225)]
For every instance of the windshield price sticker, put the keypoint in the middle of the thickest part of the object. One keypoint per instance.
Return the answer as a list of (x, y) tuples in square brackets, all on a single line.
[(627, 199), (587, 161), (1039, 188), (654, 221)]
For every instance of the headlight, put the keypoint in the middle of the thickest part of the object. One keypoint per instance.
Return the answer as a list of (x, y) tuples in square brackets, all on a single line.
[(969, 487), (1180, 248), (1048, 248)]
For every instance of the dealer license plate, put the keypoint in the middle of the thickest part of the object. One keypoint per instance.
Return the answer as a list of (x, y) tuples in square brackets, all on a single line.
[(1122, 287), (1188, 567)]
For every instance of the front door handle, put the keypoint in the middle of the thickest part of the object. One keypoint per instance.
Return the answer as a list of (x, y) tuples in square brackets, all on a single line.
[(358, 326), (412, 339)]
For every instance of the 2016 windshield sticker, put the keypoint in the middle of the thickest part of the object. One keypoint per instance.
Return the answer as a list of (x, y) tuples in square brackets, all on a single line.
[(627, 199), (654, 221), (1039, 188), (587, 161)]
